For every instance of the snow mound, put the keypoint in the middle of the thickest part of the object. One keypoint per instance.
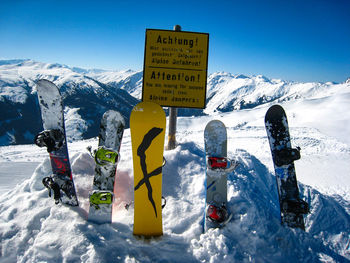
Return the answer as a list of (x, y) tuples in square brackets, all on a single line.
[(33, 229)]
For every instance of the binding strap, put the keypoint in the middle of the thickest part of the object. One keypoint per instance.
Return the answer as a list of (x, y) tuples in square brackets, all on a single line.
[(221, 163), (50, 184)]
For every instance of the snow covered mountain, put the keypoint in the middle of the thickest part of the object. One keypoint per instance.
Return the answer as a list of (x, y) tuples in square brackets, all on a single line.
[(227, 92), (85, 99), (88, 93), (33, 229)]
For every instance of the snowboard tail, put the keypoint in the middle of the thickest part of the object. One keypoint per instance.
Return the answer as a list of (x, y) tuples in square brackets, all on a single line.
[(54, 139), (147, 126), (292, 208)]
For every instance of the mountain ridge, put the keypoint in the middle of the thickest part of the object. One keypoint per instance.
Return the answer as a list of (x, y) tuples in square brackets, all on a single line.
[(87, 93)]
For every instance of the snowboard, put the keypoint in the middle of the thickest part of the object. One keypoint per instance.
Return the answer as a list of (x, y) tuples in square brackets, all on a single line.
[(292, 208), (218, 166), (147, 127), (54, 138), (106, 158)]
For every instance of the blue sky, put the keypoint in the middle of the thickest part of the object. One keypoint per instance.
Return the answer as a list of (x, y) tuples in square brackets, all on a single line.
[(292, 40)]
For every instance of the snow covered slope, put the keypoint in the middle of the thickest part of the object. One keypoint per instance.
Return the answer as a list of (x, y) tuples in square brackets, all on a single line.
[(88, 93), (128, 80), (86, 99), (33, 229), (227, 92)]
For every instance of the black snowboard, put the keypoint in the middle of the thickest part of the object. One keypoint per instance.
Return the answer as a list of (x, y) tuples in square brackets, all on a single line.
[(54, 138), (291, 206)]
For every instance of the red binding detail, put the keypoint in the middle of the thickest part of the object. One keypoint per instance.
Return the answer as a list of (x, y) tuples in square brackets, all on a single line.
[(217, 162), (213, 213)]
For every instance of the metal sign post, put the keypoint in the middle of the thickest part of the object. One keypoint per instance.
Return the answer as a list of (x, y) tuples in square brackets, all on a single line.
[(172, 117)]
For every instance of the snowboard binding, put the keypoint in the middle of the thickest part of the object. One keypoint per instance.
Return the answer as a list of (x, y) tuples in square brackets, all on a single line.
[(298, 206), (104, 156), (216, 163), (286, 156), (101, 197), (55, 184), (50, 184), (217, 214), (52, 139)]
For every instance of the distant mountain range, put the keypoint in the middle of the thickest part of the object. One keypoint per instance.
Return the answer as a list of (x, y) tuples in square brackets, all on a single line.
[(85, 97), (87, 94)]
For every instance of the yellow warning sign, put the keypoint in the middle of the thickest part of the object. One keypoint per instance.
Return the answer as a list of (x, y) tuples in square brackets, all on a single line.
[(175, 68)]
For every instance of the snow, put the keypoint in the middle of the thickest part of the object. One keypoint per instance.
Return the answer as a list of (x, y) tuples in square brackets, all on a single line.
[(227, 91), (13, 72), (75, 125), (85, 98), (129, 80), (33, 229)]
